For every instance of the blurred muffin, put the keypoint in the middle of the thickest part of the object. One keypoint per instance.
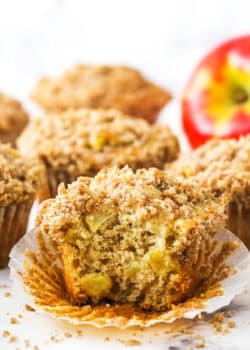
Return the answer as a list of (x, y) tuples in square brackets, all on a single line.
[(83, 142), (140, 238), (223, 166), (13, 119), (19, 182), (105, 87)]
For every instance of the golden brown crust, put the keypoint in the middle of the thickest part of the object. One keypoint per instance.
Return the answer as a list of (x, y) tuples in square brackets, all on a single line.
[(104, 87), (13, 118), (83, 142), (220, 165), (143, 238), (20, 178)]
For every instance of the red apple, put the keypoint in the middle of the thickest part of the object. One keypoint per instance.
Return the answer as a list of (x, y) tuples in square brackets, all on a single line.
[(216, 101)]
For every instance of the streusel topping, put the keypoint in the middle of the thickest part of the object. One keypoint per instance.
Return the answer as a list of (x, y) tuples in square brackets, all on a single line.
[(19, 177), (153, 192), (85, 141), (85, 86), (221, 165)]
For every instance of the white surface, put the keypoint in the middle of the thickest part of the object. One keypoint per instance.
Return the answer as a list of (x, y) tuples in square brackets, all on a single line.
[(39, 329), (165, 39)]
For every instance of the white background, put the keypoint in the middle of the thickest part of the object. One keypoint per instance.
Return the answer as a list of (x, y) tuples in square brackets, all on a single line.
[(165, 39)]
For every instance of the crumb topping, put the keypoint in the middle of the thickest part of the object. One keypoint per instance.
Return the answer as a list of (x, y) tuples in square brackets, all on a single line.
[(221, 165), (104, 87), (86, 141), (13, 117), (151, 191), (19, 177)]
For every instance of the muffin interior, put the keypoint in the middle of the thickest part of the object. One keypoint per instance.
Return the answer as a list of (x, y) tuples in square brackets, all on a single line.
[(120, 259)]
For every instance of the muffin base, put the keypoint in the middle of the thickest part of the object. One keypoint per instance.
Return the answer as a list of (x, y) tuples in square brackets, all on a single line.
[(13, 223), (239, 221)]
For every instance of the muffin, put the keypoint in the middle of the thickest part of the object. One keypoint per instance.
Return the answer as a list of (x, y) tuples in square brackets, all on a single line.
[(223, 166), (83, 142), (105, 87), (139, 238), (13, 119), (19, 181)]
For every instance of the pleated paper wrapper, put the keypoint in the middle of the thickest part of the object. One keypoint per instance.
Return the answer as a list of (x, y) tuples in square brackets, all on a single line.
[(36, 270)]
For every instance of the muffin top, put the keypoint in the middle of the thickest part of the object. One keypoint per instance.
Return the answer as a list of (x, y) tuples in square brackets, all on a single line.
[(148, 192), (13, 118), (132, 237), (83, 142), (105, 87), (19, 177), (221, 165)]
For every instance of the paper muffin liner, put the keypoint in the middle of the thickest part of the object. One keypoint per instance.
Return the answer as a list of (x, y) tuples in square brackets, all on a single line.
[(36, 269), (54, 178), (13, 223), (239, 221)]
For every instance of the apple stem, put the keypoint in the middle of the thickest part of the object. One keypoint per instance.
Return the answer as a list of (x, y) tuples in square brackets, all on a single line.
[(240, 95)]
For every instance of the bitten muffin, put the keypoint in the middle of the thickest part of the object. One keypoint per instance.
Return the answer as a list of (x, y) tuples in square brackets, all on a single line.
[(140, 238), (19, 182), (105, 87), (83, 142), (13, 119), (223, 166)]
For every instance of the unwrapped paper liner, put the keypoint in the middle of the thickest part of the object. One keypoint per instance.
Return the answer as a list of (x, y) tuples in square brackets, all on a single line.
[(37, 272)]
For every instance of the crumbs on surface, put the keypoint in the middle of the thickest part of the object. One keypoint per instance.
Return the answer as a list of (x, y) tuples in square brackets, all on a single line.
[(13, 339), (27, 343), (29, 308), (218, 324), (130, 342), (231, 324), (14, 320), (55, 339), (6, 334), (7, 294), (201, 342), (68, 335)]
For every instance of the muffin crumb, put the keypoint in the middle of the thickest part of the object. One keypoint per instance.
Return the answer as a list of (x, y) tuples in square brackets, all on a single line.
[(14, 320), (13, 339), (27, 343), (29, 308), (130, 342), (6, 334)]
